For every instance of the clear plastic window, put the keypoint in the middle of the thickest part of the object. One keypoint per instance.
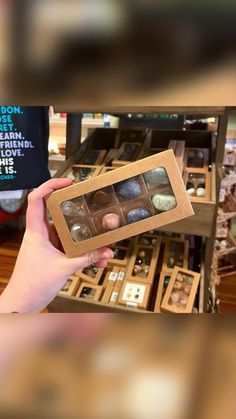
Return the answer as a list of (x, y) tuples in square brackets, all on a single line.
[(123, 203), (196, 185), (79, 174), (175, 254), (90, 271), (142, 263), (181, 290), (88, 293), (195, 158)]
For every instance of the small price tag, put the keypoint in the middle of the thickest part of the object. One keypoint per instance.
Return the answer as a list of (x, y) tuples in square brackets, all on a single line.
[(114, 297), (121, 276), (113, 276)]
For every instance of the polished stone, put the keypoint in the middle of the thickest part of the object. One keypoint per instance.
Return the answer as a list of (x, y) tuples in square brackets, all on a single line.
[(157, 175), (164, 202), (129, 189), (138, 214)]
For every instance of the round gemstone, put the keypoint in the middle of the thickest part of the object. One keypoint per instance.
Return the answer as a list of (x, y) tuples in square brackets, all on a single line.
[(164, 202), (80, 232), (138, 214), (129, 189)]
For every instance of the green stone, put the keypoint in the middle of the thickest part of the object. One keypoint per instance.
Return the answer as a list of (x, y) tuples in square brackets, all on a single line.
[(164, 202)]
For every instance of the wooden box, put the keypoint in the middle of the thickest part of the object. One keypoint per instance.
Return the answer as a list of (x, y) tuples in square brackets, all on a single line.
[(175, 254), (127, 153), (198, 184), (142, 265), (129, 194), (71, 286), (89, 291), (135, 294), (80, 172), (181, 291), (163, 283)]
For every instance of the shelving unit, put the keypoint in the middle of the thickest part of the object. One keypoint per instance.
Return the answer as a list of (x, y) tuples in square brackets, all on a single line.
[(202, 224)]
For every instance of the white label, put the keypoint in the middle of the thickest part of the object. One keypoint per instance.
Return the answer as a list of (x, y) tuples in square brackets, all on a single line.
[(222, 195), (134, 293), (114, 297), (113, 276), (121, 276), (133, 305)]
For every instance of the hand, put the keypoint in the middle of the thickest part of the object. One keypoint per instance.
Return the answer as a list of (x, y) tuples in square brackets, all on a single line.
[(42, 268)]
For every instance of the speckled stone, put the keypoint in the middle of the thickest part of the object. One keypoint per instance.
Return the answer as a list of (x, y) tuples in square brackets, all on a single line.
[(71, 209), (157, 175), (164, 202), (129, 189), (138, 214), (201, 192)]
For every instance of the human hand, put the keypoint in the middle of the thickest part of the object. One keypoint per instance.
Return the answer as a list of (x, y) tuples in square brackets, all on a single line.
[(42, 268)]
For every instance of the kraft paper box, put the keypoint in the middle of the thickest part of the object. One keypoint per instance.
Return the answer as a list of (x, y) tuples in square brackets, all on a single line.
[(89, 291), (181, 291), (91, 274), (139, 197), (198, 184), (164, 280)]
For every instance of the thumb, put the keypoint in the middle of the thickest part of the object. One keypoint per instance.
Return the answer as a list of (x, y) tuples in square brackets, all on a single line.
[(90, 258)]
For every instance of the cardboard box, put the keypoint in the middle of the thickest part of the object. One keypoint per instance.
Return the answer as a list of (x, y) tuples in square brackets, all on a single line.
[(175, 254), (89, 291), (135, 294), (148, 240), (78, 211), (93, 157), (111, 276), (91, 274), (142, 265), (71, 286), (198, 184), (164, 280), (80, 172), (181, 291)]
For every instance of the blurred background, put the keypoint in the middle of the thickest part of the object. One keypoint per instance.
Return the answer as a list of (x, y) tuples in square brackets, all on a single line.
[(97, 52)]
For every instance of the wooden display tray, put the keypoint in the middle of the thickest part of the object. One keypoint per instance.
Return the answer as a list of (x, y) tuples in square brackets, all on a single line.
[(153, 263), (106, 169), (182, 210), (166, 306), (167, 242)]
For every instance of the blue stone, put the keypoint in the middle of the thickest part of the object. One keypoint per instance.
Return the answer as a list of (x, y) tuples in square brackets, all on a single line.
[(157, 175), (129, 189), (138, 214)]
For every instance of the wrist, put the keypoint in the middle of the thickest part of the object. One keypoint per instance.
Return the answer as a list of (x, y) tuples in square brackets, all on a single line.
[(12, 301)]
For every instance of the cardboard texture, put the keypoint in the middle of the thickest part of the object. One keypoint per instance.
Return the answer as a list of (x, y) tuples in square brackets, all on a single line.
[(106, 185), (181, 291), (142, 265), (106, 169)]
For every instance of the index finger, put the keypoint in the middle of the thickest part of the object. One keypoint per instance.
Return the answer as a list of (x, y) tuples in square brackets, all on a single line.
[(35, 215)]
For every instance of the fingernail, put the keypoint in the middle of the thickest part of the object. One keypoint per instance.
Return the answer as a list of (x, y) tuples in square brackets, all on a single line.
[(107, 255)]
